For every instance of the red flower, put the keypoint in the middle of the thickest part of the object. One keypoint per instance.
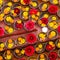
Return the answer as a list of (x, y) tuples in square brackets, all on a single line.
[(49, 47), (53, 56), (16, 10), (29, 50), (33, 11), (19, 25), (58, 29), (26, 1), (44, 20), (29, 25), (1, 31), (31, 38), (53, 9)]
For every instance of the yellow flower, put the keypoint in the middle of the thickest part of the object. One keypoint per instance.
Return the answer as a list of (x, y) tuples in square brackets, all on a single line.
[(55, 1), (39, 22), (21, 40), (6, 27), (17, 51), (53, 45), (22, 51), (50, 42), (40, 46), (10, 30), (19, 21), (37, 49), (27, 9), (54, 18), (1, 16), (9, 4), (7, 10), (42, 35), (8, 57), (19, 7), (21, 1), (44, 7), (36, 18), (2, 45), (34, 4), (33, 16), (43, 25), (42, 56), (38, 14), (58, 44), (1, 2), (25, 14), (10, 41), (53, 24), (52, 34), (10, 45), (46, 15), (9, 19)]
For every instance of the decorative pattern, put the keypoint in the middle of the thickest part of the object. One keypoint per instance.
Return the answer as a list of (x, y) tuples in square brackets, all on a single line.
[(29, 29)]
